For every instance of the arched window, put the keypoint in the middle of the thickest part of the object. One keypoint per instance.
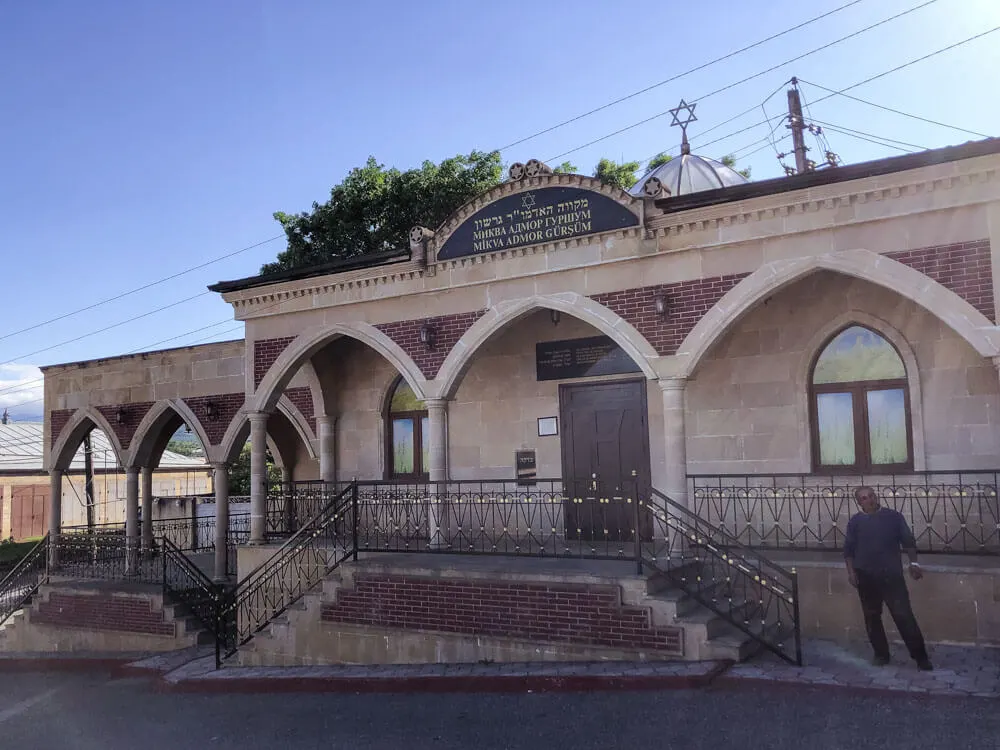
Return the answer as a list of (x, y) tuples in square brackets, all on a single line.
[(860, 405), (407, 444)]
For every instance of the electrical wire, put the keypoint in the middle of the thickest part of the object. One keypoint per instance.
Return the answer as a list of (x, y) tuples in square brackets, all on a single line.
[(852, 134), (842, 128), (896, 111), (676, 77), (748, 78)]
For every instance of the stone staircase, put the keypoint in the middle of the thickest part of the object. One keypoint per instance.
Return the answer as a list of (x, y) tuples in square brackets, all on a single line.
[(382, 611), (96, 616)]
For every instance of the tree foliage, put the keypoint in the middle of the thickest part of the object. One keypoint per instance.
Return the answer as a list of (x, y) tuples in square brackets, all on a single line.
[(185, 447), (620, 175), (730, 162), (239, 472), (374, 208)]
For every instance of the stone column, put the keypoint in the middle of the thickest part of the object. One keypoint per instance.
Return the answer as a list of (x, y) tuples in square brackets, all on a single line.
[(131, 519), (221, 482), (437, 469), (674, 439), (258, 477), (55, 515), (326, 431), (147, 510)]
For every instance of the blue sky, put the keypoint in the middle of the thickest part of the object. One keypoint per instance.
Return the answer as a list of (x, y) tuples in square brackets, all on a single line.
[(139, 139)]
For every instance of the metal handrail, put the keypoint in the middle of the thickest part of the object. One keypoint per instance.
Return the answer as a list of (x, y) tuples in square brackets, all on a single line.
[(18, 586), (184, 582), (751, 593)]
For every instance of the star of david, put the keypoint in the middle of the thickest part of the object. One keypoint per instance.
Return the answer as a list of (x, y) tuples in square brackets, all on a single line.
[(683, 106), (528, 201)]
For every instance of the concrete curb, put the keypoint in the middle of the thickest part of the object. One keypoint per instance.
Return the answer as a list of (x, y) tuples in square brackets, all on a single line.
[(736, 682), (446, 683)]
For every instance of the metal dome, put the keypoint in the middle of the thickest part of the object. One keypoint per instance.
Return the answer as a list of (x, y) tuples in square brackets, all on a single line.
[(689, 173)]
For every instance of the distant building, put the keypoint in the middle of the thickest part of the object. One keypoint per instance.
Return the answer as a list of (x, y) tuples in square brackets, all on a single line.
[(24, 484)]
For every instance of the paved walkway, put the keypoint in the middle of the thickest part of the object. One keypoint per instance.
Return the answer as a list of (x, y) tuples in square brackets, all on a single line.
[(958, 670)]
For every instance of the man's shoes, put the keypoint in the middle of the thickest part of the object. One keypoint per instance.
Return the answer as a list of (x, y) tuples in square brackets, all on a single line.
[(924, 665), (880, 661)]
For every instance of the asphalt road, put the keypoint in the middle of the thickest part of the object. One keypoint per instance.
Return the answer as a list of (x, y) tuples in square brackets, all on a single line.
[(58, 711)]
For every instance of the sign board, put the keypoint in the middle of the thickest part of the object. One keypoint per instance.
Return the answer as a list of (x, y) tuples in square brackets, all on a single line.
[(581, 358), (526, 467), (534, 217)]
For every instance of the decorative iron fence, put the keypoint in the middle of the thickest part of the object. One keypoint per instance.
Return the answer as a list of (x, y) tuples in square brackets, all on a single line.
[(301, 563), (949, 512), (750, 592), (23, 580), (103, 556), (290, 505), (549, 518), (186, 585)]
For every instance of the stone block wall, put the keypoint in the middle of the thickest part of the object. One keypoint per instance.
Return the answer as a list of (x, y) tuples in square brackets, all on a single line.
[(747, 404)]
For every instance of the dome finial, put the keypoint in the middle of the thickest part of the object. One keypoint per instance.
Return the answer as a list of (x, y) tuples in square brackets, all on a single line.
[(688, 118)]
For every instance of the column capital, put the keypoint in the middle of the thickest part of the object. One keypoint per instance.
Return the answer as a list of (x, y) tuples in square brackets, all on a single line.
[(996, 362), (436, 403), (327, 419), (220, 466), (258, 418), (672, 384), (129, 470)]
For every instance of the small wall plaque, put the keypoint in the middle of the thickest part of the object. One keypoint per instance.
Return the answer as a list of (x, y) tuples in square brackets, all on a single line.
[(548, 426), (526, 467)]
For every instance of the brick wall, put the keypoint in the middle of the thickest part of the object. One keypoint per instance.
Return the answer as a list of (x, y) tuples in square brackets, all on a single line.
[(688, 301), (448, 330), (134, 412), (265, 352), (58, 418), (303, 400), (102, 612), (226, 404), (964, 268), (564, 613)]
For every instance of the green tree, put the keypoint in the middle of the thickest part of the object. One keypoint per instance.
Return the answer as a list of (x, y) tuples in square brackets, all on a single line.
[(185, 447), (374, 208), (659, 160), (567, 167), (619, 175), (239, 472), (730, 162)]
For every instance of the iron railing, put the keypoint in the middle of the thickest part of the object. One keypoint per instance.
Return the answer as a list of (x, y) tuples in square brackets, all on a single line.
[(187, 586), (23, 580), (751, 593), (301, 563), (291, 504), (103, 556), (549, 518), (948, 512)]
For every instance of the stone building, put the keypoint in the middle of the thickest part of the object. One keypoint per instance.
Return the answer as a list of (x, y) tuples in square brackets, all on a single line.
[(735, 345)]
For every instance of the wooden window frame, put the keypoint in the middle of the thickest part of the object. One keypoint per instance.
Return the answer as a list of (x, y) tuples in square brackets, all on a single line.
[(859, 390), (419, 474)]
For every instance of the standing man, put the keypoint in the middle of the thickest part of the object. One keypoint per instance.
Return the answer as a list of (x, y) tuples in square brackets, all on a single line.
[(872, 551)]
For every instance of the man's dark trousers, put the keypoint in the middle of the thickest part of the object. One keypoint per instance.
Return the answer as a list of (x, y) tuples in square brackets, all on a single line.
[(889, 588)]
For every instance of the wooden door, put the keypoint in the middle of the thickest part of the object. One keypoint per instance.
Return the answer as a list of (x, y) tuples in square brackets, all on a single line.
[(605, 458)]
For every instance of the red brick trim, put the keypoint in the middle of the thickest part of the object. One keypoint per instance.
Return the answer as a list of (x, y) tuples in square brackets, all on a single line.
[(102, 612), (303, 400), (58, 419), (559, 613), (448, 330), (964, 267), (688, 301), (133, 414), (226, 404), (265, 352)]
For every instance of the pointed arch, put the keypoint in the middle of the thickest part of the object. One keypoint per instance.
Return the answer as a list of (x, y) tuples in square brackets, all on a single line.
[(505, 313), (298, 421), (148, 433), (959, 315), (83, 421), (312, 340)]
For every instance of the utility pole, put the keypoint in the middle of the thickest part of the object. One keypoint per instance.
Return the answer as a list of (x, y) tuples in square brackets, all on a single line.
[(798, 127), (88, 479)]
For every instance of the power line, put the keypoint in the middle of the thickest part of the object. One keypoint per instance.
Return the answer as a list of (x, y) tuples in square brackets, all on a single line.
[(677, 76), (849, 131), (750, 78), (106, 328), (856, 134), (142, 288), (897, 111)]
